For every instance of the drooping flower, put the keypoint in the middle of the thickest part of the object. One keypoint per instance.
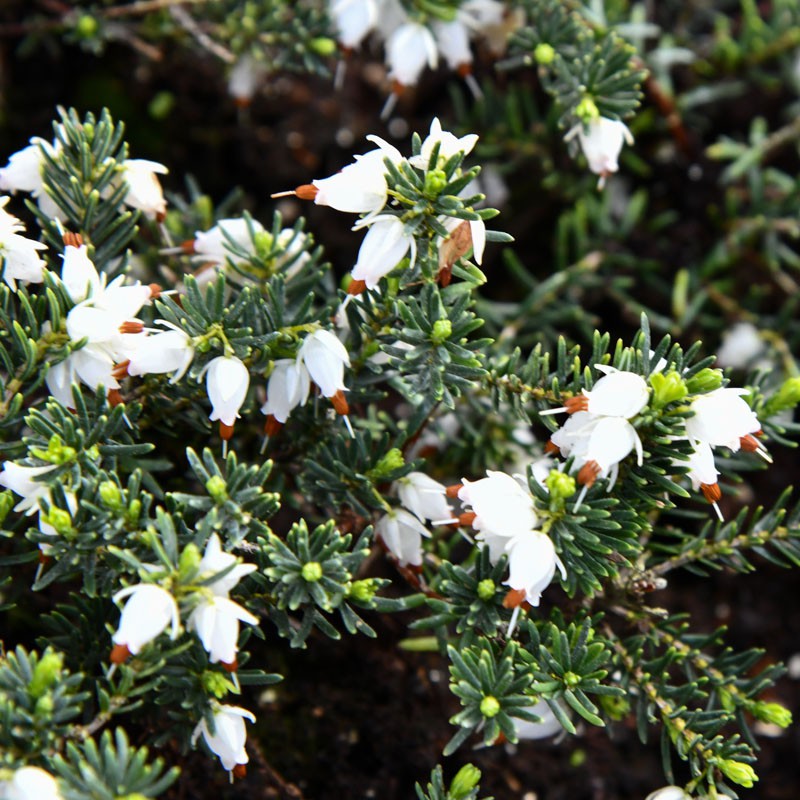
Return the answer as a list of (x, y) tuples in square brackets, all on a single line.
[(227, 382), (501, 504), (227, 736), (19, 259), (25, 173), (703, 473), (148, 612), (144, 189), (217, 245), (215, 560), (325, 358), (402, 534), (423, 496), (671, 793), (216, 621), (601, 140), (288, 387), (171, 350), (385, 244), (617, 394), (353, 20), (741, 345), (532, 563), (409, 49), (22, 481), (30, 783), (722, 419), (609, 440), (452, 42), (245, 78)]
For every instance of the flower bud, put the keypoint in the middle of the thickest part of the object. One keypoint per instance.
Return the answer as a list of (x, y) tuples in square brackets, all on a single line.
[(704, 381), (435, 181), (667, 388), (110, 495), (560, 485), (363, 591), (490, 707), (45, 673), (393, 460), (544, 54), (464, 782), (217, 488), (486, 589), (587, 110), (216, 684), (738, 772), (323, 46), (58, 519), (189, 561), (788, 396), (86, 27), (311, 571), (442, 329), (773, 713)]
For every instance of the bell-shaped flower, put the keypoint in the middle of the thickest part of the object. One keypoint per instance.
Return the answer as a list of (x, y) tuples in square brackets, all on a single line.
[(216, 622), (144, 189), (227, 382), (90, 365), (409, 49), (672, 793), (502, 506), (601, 140), (22, 481), (722, 419), (25, 173), (532, 563), (215, 561), (568, 439), (148, 612), (617, 394), (226, 736), (325, 358), (216, 245), (353, 20), (288, 387), (423, 496), (547, 726), (452, 41), (609, 440), (402, 534), (741, 346), (245, 78), (171, 350), (30, 783), (79, 275), (385, 244), (19, 257)]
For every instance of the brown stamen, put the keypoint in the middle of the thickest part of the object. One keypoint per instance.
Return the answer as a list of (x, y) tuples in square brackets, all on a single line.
[(239, 771), (119, 654), (579, 403), (515, 597), (464, 69), (271, 426), (749, 443), (225, 431), (711, 492), (452, 491), (121, 370), (550, 447), (339, 403), (467, 518), (155, 290), (398, 88), (161, 216), (188, 246), (44, 559), (306, 192), (444, 276), (356, 287), (131, 326), (72, 239), (114, 397), (230, 666), (588, 473)]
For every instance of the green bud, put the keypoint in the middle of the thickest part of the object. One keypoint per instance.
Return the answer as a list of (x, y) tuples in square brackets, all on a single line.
[(134, 796), (435, 181), (263, 240), (323, 46), (486, 589), (667, 388), (189, 561), (44, 706), (788, 396), (216, 684), (110, 495), (544, 54), (161, 105), (704, 381), (45, 673), (57, 452), (577, 758), (571, 679), (490, 707), (774, 713), (587, 110), (442, 329), (464, 783), (726, 700), (615, 707), (393, 460), (203, 346), (311, 571), (134, 510), (738, 772), (93, 453), (217, 488), (88, 130), (363, 591), (6, 504), (86, 27), (59, 519), (560, 485)]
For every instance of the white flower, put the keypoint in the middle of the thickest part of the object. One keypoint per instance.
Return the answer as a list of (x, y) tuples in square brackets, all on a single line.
[(146, 615), (216, 560), (353, 20), (19, 259), (245, 77), (601, 140), (617, 394), (30, 783), (166, 351), (547, 726), (24, 173), (609, 440), (385, 244), (216, 621), (423, 496), (503, 507), (722, 419), (214, 246), (229, 735), (227, 381), (294, 256), (532, 563), (669, 793), (464, 234), (144, 189), (568, 439), (452, 40), (325, 358), (360, 187), (288, 387), (702, 471), (79, 275), (402, 534), (90, 365), (22, 481), (409, 49), (741, 345)]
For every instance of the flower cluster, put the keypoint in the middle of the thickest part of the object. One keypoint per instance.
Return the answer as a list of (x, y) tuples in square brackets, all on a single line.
[(19, 257)]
